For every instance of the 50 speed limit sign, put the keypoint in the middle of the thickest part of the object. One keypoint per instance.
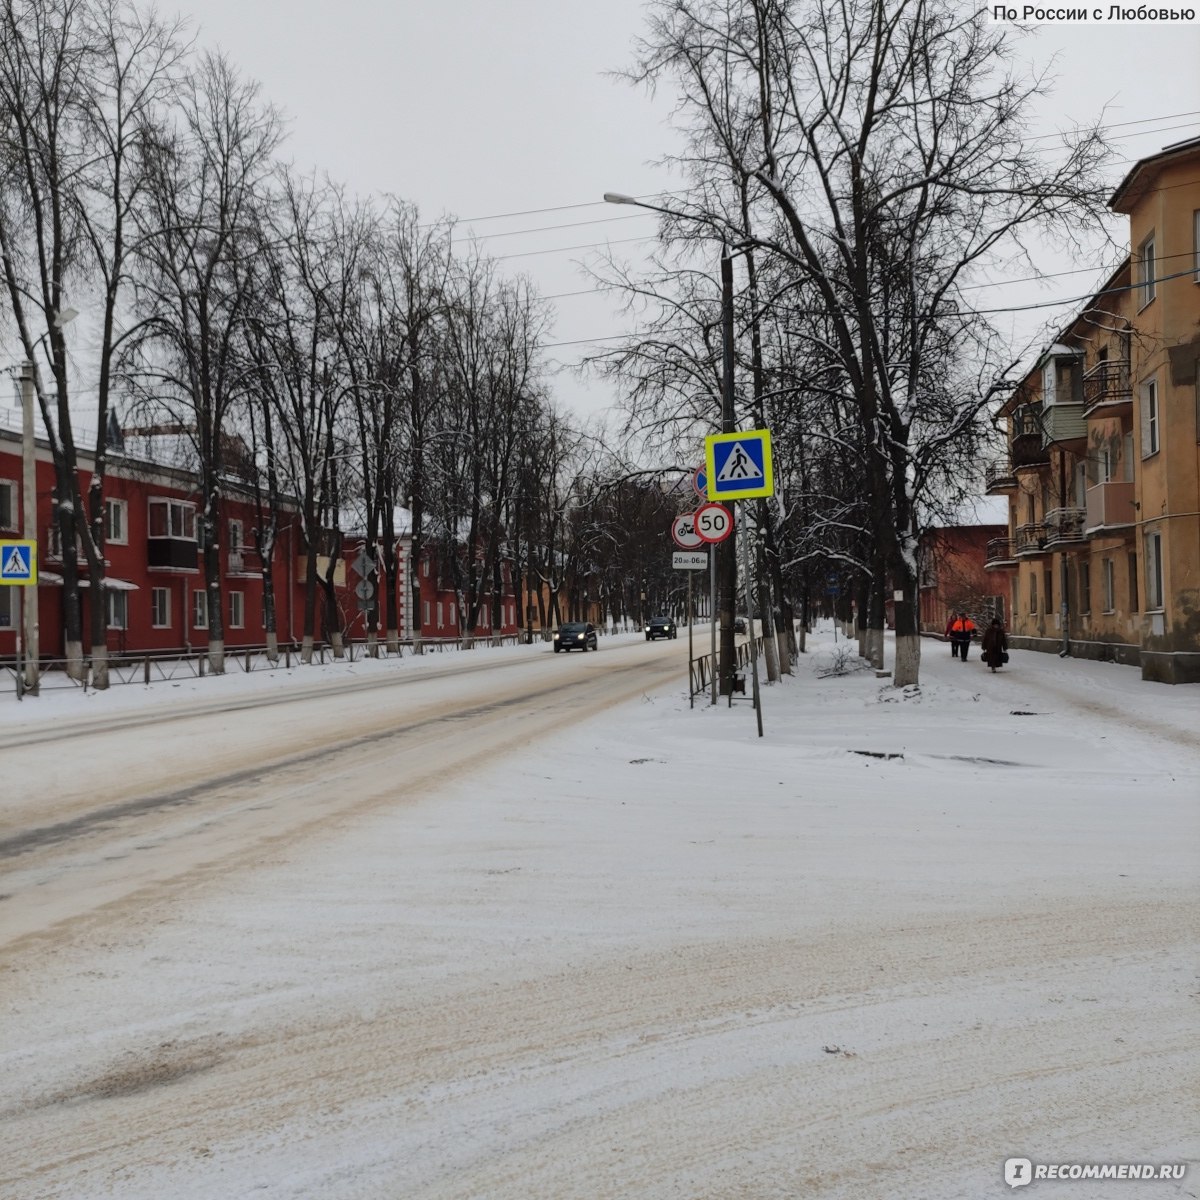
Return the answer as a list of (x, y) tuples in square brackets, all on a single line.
[(714, 522)]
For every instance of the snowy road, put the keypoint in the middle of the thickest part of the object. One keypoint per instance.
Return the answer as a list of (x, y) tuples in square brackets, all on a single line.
[(642, 955)]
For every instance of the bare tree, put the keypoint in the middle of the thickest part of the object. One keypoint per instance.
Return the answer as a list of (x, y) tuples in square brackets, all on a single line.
[(208, 172), (880, 147)]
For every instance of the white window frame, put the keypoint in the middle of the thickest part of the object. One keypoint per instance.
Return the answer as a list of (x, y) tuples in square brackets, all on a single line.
[(236, 539), (1154, 572), (116, 522), (160, 608), (1147, 268), (116, 608), (237, 610), (1150, 419), (200, 609), (425, 622), (439, 614), (1048, 383), (1109, 574), (9, 487), (183, 509)]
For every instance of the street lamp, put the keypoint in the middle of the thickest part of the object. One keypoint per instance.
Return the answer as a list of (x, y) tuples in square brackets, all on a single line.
[(725, 550)]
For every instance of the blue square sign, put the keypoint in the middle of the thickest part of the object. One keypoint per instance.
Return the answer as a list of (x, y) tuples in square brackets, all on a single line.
[(738, 465)]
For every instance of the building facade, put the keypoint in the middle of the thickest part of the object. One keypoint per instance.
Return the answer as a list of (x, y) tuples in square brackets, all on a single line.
[(154, 592), (1102, 553)]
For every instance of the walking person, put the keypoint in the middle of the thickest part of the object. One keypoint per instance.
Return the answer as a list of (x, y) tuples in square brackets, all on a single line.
[(949, 634), (962, 629), (994, 646)]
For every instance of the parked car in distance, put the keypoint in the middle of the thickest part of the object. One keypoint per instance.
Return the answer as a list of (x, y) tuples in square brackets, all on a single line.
[(660, 627), (575, 635), (739, 624)]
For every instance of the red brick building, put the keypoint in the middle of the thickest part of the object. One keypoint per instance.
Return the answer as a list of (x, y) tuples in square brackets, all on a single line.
[(154, 595), (953, 575)]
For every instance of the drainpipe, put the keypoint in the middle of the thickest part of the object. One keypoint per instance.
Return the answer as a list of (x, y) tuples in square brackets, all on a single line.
[(1064, 609)]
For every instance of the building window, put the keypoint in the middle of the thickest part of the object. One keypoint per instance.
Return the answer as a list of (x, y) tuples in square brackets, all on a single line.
[(237, 610), (426, 620), (439, 604), (200, 609), (160, 608), (1048, 384), (117, 608), (1033, 592), (235, 536), (1110, 585), (1133, 588), (7, 605), (172, 519), (1150, 418), (1146, 272), (1154, 575), (1085, 587), (1048, 594), (8, 504), (1196, 241), (116, 522)]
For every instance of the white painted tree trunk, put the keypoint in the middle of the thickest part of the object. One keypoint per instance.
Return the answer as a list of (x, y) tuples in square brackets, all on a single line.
[(74, 656), (306, 649), (908, 660), (874, 653), (272, 647), (335, 640), (216, 656), (372, 644), (100, 667), (393, 642)]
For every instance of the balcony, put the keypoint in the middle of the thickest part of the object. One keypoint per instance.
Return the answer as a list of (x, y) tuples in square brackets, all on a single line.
[(1000, 554), (999, 476), (1064, 425), (239, 563), (1027, 448), (1107, 391), (1030, 539), (1109, 506), (172, 553), (1064, 527)]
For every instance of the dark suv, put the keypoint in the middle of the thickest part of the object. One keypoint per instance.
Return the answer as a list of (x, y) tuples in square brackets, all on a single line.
[(660, 627), (575, 635)]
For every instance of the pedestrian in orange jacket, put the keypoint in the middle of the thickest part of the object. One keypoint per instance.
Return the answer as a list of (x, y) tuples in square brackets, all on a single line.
[(962, 629)]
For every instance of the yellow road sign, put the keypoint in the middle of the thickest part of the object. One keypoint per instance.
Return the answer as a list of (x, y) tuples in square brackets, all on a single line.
[(18, 563), (738, 465)]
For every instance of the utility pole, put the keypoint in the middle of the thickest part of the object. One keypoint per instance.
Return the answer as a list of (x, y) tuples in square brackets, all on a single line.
[(726, 550), (29, 607)]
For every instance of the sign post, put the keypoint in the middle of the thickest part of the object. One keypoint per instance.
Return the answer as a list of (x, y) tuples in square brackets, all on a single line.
[(19, 569)]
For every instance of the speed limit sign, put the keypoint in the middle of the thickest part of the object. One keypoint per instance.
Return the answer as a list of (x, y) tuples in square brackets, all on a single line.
[(683, 530), (714, 522)]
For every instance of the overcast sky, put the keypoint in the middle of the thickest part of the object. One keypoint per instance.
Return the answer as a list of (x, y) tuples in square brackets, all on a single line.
[(478, 108)]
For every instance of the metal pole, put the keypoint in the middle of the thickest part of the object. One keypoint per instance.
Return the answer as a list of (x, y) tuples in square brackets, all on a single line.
[(21, 606), (712, 618), (750, 613), (691, 693), (29, 607), (726, 552)]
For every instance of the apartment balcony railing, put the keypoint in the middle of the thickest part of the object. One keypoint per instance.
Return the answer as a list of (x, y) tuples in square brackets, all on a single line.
[(1030, 539), (1027, 448), (1000, 553), (1109, 506), (239, 562), (1064, 527), (1107, 391), (999, 476)]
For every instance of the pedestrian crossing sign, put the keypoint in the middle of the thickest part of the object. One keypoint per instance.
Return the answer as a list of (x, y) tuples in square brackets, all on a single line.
[(738, 465), (18, 563)]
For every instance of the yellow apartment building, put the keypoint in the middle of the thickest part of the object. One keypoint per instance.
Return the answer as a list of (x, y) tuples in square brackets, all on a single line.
[(1102, 470)]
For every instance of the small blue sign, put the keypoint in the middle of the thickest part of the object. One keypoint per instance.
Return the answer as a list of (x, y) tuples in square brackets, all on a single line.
[(18, 562)]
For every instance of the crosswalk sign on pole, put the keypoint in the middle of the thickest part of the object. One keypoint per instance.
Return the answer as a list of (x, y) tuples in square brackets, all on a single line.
[(738, 465), (18, 563)]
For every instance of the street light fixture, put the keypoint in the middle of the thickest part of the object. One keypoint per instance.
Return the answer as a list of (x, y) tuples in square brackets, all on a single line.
[(729, 559)]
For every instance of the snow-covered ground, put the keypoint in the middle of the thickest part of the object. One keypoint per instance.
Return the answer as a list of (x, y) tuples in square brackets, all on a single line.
[(901, 938)]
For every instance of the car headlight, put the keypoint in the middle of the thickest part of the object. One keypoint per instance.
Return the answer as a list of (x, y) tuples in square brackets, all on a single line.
[(556, 637), (647, 628)]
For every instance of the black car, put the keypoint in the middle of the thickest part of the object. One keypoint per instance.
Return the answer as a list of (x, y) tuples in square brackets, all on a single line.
[(660, 627), (575, 635)]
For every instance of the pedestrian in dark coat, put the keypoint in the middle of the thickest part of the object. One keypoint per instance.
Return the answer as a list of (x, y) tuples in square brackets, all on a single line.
[(994, 644)]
